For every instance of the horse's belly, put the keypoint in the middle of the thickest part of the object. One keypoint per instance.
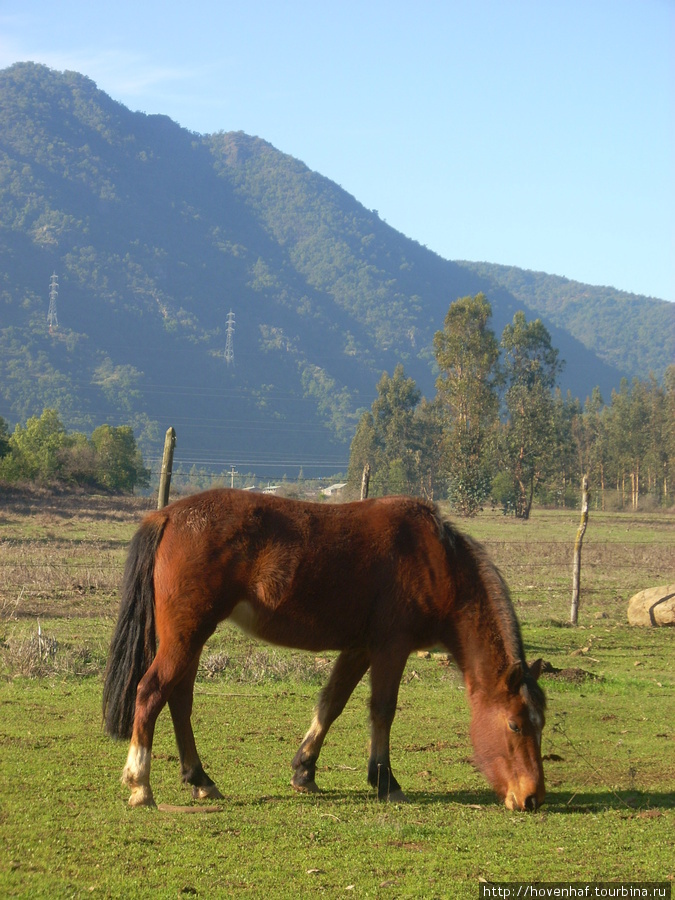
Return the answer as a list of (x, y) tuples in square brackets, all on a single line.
[(289, 630), (244, 617)]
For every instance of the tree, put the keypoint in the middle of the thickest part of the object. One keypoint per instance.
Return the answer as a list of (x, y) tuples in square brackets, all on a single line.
[(623, 454), (592, 442), (396, 437), (42, 451), (660, 428), (429, 453), (79, 461), (388, 437), (5, 447), (531, 369), (669, 430), (530, 358), (362, 450), (566, 468), (119, 464), (36, 449), (638, 425), (467, 354)]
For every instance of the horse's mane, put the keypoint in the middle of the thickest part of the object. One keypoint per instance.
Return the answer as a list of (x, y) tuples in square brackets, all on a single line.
[(496, 589), (497, 594), (498, 597)]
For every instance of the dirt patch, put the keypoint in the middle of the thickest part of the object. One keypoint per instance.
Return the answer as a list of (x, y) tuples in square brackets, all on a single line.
[(571, 675)]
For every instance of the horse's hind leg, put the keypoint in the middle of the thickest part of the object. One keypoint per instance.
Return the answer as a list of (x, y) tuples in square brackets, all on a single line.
[(386, 670), (180, 704), (349, 669), (152, 694), (170, 666)]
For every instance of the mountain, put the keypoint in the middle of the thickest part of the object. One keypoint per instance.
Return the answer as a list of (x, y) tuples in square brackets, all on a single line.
[(156, 233), (632, 333)]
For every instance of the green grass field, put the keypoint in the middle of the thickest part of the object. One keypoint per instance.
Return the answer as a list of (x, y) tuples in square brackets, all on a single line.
[(609, 744)]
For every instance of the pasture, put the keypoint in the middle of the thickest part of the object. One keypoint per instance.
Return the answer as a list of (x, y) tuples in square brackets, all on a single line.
[(609, 743)]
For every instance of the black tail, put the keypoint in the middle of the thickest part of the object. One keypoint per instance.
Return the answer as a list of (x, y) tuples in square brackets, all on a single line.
[(133, 646)]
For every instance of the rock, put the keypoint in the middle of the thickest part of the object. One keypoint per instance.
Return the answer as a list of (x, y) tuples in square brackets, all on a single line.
[(654, 606)]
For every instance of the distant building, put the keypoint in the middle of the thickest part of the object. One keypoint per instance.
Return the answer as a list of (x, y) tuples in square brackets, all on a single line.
[(333, 489)]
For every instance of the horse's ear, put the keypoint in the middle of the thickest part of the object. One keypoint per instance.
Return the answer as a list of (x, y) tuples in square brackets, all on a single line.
[(535, 668), (513, 677)]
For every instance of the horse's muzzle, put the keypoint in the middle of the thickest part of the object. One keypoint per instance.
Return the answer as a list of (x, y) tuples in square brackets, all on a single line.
[(531, 802)]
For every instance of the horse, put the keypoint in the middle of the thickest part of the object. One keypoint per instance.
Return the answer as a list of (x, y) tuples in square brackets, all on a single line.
[(373, 579)]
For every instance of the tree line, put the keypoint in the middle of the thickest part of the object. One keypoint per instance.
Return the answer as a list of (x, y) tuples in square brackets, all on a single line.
[(499, 429), (43, 451)]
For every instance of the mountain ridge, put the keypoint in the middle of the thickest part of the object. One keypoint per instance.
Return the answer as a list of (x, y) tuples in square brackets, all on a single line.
[(156, 233)]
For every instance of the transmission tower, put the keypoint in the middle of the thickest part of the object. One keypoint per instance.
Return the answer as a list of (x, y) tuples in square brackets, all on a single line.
[(229, 343), (52, 318)]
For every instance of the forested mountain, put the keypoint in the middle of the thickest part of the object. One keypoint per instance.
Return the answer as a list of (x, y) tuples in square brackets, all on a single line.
[(634, 334), (156, 233)]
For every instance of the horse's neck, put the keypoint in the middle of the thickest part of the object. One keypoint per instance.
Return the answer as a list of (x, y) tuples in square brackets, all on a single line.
[(482, 647)]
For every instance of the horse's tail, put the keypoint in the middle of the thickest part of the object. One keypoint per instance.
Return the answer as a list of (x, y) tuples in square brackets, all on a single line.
[(133, 645)]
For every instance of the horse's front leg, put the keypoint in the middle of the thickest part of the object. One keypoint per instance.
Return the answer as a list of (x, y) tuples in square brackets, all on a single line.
[(192, 771), (349, 669), (385, 675)]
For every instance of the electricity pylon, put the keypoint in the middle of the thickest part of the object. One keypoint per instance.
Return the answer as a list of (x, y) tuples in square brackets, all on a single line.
[(52, 317), (229, 343)]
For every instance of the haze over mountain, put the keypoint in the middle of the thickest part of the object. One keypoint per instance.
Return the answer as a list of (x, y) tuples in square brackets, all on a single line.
[(156, 233)]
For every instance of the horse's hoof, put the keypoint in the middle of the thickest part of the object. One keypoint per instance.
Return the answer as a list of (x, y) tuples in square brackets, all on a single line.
[(206, 792), (396, 797), (306, 787), (142, 796)]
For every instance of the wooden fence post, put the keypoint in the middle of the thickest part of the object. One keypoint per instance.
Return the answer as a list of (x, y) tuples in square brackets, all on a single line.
[(167, 464), (365, 481), (576, 568)]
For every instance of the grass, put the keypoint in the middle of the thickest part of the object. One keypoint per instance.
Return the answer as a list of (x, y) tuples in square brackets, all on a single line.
[(66, 830)]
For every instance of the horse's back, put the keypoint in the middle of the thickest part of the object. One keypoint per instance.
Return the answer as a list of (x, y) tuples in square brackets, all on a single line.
[(303, 574)]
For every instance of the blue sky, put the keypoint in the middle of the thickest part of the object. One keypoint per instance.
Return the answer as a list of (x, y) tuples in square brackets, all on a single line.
[(534, 133)]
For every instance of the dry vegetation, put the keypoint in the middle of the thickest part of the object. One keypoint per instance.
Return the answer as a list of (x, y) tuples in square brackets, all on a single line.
[(62, 555)]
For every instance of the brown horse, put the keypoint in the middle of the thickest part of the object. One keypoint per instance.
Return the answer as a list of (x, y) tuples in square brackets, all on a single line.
[(374, 579)]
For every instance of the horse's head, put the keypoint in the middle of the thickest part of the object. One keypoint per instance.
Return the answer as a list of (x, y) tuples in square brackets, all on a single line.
[(506, 728)]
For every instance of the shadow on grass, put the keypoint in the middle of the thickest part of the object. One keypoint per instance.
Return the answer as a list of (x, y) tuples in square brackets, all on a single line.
[(631, 802), (639, 803), (642, 804)]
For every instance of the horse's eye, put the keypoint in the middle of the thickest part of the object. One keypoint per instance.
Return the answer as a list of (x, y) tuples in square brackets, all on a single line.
[(514, 727)]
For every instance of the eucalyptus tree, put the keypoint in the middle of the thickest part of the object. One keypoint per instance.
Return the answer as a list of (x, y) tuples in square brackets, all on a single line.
[(567, 466), (639, 428), (388, 437), (531, 369), (661, 430), (363, 449), (467, 354), (593, 454), (669, 430)]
